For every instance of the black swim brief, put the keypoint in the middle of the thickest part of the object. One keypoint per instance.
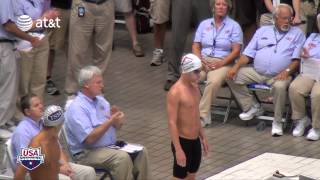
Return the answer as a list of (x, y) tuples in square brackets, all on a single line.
[(192, 150)]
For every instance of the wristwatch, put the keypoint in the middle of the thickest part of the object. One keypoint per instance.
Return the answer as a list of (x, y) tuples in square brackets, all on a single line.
[(288, 70)]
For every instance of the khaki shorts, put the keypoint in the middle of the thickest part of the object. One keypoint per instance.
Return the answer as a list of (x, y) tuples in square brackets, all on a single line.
[(123, 6), (159, 10), (59, 36)]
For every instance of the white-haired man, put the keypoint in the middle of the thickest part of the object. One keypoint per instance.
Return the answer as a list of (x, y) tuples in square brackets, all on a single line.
[(91, 127), (275, 53)]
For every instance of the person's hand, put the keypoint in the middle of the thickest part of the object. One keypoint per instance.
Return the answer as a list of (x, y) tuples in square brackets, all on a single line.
[(215, 65), (205, 146), (231, 74), (117, 119), (205, 67), (51, 14), (305, 53), (35, 42), (296, 20), (181, 158), (67, 170), (282, 76), (114, 109)]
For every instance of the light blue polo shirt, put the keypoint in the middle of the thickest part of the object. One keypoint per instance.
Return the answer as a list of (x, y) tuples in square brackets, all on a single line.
[(32, 8), (312, 44), (83, 115), (218, 42), (6, 14), (23, 134), (272, 50)]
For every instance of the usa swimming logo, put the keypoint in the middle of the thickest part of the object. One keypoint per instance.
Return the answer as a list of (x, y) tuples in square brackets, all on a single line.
[(30, 158)]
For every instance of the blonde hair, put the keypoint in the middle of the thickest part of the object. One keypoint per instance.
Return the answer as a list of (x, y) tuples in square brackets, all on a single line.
[(229, 3)]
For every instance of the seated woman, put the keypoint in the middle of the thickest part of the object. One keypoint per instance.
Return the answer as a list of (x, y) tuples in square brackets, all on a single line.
[(217, 43), (307, 83)]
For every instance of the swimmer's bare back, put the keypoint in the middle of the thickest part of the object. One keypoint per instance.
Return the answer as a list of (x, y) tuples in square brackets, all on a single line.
[(51, 150)]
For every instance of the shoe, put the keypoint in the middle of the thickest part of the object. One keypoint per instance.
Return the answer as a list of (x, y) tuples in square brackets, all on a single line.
[(157, 58), (205, 121), (277, 129), (255, 110), (51, 88), (137, 50), (301, 126), (11, 126), (5, 134), (168, 85), (69, 101), (314, 134)]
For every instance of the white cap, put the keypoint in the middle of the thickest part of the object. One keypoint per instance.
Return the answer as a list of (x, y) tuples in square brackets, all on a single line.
[(53, 116), (189, 63)]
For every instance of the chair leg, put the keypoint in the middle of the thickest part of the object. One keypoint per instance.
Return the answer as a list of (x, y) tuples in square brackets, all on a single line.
[(226, 116)]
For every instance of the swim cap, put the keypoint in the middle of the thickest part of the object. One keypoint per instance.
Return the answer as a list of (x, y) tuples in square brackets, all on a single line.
[(189, 63), (53, 116)]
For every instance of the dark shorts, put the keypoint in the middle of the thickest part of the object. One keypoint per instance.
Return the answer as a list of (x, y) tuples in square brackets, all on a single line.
[(192, 150)]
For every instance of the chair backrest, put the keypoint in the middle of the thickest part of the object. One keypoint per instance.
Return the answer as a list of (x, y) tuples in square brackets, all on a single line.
[(9, 154), (63, 136)]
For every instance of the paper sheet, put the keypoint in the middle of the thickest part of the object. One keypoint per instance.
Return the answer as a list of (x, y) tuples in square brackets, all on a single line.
[(310, 68), (132, 148), (129, 148), (26, 46)]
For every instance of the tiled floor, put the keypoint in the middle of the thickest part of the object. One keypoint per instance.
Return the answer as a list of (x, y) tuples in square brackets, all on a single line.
[(265, 165), (136, 87)]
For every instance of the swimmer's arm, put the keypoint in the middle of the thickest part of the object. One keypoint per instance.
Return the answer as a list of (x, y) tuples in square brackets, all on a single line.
[(204, 141), (20, 173), (172, 110)]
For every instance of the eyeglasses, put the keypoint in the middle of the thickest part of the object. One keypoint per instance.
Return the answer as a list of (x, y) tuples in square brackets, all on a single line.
[(289, 19)]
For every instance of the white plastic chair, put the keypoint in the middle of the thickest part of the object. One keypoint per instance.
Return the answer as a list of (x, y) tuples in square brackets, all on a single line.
[(8, 161)]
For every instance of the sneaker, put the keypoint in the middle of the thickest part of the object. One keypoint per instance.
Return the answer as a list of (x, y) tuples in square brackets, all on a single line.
[(137, 50), (277, 129), (69, 101), (301, 126), (51, 88), (255, 110), (205, 121), (314, 134), (157, 58), (5, 134)]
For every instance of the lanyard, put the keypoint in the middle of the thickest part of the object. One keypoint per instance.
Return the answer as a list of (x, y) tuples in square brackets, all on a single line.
[(278, 40), (215, 37)]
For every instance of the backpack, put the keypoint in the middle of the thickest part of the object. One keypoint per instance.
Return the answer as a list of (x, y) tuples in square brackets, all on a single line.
[(143, 17)]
